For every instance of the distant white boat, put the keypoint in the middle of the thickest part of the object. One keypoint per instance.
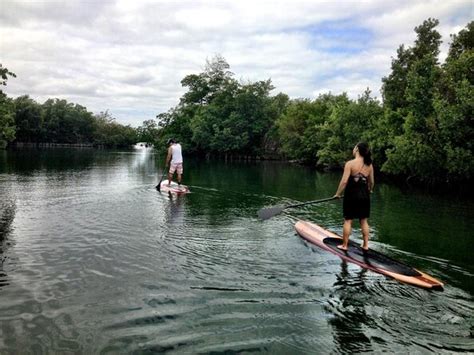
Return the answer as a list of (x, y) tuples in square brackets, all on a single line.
[(143, 146)]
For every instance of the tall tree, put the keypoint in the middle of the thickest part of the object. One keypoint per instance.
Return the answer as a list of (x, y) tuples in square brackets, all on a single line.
[(408, 90), (454, 106), (109, 133), (65, 122), (349, 123), (28, 119), (7, 120), (203, 87), (394, 85), (416, 150), (4, 74), (7, 113), (218, 114), (148, 132), (306, 127)]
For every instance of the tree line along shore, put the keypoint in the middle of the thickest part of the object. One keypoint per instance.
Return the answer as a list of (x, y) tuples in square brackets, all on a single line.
[(421, 130)]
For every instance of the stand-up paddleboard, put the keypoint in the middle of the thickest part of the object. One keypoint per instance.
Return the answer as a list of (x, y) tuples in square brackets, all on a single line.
[(369, 259), (174, 188)]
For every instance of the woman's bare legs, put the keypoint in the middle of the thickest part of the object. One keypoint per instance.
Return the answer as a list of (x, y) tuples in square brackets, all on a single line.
[(364, 225), (346, 232)]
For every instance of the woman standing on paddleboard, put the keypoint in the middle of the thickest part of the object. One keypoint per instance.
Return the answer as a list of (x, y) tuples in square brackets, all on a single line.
[(358, 182)]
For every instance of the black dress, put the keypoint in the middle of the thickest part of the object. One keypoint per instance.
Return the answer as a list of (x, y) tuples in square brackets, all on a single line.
[(356, 203)]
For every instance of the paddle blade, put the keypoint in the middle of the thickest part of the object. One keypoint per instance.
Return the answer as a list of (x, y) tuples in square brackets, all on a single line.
[(158, 187), (266, 213)]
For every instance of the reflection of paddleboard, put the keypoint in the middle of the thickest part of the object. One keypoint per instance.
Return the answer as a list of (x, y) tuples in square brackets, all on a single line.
[(369, 259), (174, 188)]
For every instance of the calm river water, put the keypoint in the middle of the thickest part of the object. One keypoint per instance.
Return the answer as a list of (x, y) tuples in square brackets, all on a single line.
[(95, 260)]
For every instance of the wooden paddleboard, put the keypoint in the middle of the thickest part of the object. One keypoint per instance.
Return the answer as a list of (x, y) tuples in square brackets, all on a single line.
[(174, 188), (369, 259)]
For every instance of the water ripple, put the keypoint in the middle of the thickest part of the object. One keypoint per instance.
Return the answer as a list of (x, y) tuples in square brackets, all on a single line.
[(97, 261)]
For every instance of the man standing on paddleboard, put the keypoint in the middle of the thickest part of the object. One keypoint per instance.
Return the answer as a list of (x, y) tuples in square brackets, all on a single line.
[(174, 157)]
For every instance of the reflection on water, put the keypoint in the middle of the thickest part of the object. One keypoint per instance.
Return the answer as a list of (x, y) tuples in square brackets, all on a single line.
[(7, 214), (96, 260), (27, 161), (175, 211), (350, 320)]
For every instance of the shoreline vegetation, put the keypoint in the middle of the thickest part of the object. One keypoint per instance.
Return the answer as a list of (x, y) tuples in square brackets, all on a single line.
[(55, 145), (422, 132)]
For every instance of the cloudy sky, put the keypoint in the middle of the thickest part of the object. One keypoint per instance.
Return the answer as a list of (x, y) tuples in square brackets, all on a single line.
[(129, 57)]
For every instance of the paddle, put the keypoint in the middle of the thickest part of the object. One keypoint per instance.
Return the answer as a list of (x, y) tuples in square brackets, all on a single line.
[(158, 187), (266, 213)]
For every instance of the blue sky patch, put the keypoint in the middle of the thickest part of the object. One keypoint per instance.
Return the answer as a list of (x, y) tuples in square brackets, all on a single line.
[(338, 37)]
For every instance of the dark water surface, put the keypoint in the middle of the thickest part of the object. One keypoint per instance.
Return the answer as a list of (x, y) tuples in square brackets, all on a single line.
[(95, 260)]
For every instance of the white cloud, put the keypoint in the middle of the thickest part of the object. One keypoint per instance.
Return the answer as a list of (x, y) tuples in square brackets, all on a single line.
[(129, 56)]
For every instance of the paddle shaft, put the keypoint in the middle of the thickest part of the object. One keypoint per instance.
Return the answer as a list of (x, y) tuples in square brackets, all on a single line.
[(266, 213), (310, 202), (162, 176)]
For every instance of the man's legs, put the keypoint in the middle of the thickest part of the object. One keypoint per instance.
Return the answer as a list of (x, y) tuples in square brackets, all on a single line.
[(171, 173), (179, 171)]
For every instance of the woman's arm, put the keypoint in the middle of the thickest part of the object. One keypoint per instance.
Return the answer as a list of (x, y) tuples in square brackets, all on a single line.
[(371, 178), (344, 179)]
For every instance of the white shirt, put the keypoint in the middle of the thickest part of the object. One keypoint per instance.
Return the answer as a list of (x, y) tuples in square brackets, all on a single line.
[(176, 156)]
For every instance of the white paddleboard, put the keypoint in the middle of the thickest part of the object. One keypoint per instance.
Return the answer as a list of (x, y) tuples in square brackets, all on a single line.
[(174, 188)]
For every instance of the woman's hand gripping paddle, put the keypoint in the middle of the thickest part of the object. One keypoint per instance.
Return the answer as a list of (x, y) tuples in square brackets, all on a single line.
[(266, 213)]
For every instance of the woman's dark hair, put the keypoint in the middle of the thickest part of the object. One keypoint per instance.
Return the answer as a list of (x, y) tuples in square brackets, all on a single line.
[(364, 151)]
